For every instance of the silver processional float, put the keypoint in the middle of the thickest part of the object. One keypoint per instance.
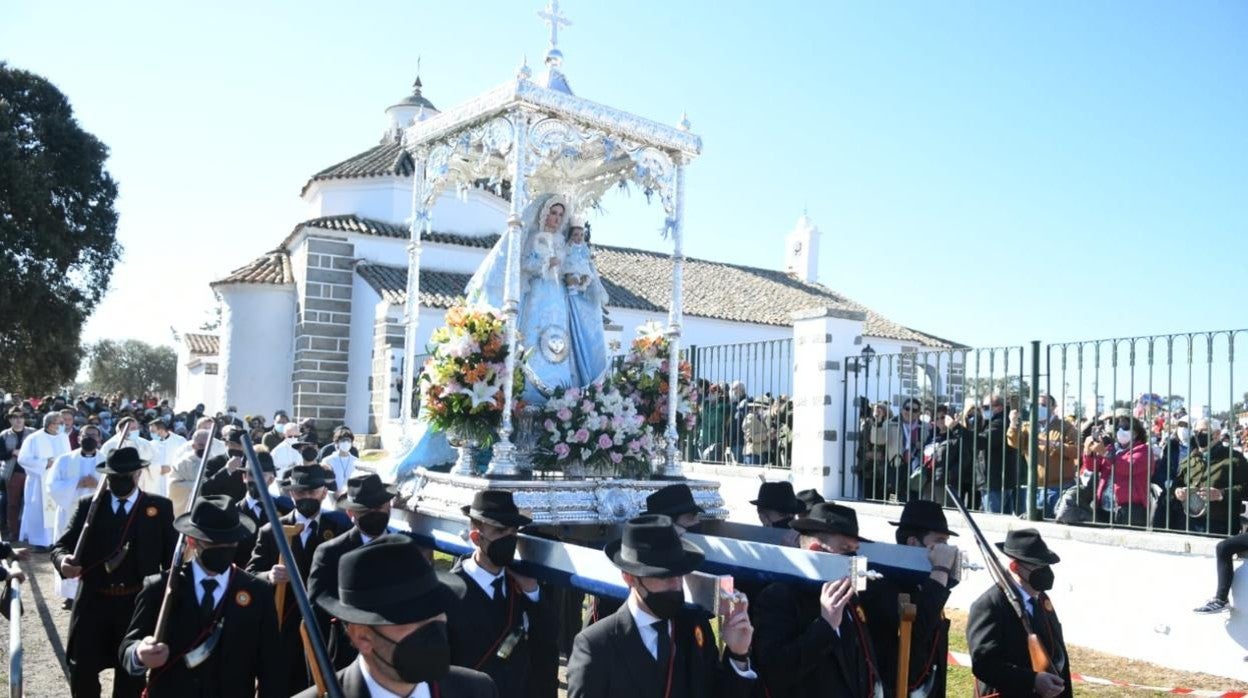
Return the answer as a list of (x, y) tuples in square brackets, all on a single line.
[(533, 135)]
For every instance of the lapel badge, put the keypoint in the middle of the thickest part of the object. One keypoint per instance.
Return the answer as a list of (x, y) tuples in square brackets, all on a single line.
[(242, 599), (698, 637), (151, 512), (327, 535)]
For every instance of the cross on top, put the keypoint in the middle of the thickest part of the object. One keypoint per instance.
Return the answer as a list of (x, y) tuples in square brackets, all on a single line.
[(552, 19)]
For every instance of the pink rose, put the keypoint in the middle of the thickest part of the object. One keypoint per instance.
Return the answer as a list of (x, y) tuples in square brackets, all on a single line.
[(634, 446), (564, 414), (581, 436), (604, 441), (587, 406), (549, 425), (562, 450), (616, 458), (573, 393)]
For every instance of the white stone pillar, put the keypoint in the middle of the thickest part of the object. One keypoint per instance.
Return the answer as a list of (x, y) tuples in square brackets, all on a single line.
[(822, 338)]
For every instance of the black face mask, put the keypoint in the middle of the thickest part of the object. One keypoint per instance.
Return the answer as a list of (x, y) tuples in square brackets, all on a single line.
[(216, 560), (199, 453), (664, 604), (254, 490), (782, 523), (121, 485), (308, 507), (423, 655), (89, 444), (373, 523), (1202, 439), (1041, 579), (501, 551)]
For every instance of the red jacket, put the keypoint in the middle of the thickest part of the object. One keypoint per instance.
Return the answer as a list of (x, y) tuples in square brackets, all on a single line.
[(1128, 470)]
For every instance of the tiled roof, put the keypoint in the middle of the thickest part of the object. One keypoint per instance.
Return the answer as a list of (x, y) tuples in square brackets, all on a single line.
[(385, 160), (202, 344), (641, 280), (369, 226), (438, 289), (269, 268)]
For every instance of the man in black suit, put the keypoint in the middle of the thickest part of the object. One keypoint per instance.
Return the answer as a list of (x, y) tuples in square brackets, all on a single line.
[(222, 632), (653, 645), (131, 537), (223, 474), (394, 607), (998, 626), (367, 503), (814, 641), (922, 524), (250, 507), (505, 624), (776, 504), (306, 484)]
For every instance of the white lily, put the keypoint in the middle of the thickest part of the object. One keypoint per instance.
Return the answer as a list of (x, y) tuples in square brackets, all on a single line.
[(481, 393)]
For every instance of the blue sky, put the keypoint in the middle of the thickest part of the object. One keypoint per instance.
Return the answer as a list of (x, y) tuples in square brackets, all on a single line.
[(987, 172)]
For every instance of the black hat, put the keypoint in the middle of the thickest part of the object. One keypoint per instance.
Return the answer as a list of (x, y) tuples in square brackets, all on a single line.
[(651, 548), (924, 515), (810, 498), (307, 477), (366, 492), (122, 461), (672, 501), (233, 435), (389, 582), (778, 496), (266, 461), (214, 518), (496, 508), (829, 517), (1026, 545)]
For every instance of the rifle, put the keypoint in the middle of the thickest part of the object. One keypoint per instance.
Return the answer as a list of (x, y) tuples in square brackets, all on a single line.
[(1040, 661), (86, 524), (171, 584), (324, 668)]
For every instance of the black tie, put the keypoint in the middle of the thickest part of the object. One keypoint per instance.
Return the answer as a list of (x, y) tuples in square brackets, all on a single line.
[(498, 587), (121, 508), (206, 602), (311, 532), (665, 642)]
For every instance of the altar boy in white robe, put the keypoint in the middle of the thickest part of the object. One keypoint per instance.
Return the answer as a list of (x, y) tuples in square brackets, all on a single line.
[(71, 478), (39, 451), (165, 446)]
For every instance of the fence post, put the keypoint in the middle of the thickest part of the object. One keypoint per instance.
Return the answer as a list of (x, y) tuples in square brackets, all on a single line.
[(1033, 448)]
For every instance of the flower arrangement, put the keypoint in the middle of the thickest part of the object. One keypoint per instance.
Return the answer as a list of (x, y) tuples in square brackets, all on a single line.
[(596, 426), (643, 378), (463, 377)]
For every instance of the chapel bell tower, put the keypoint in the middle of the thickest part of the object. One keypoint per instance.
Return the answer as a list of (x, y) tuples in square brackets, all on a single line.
[(801, 250)]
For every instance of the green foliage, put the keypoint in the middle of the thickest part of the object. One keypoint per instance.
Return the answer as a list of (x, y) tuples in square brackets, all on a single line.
[(132, 367), (58, 232)]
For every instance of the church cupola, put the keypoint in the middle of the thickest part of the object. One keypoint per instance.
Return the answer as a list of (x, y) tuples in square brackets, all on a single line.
[(412, 108), (801, 251)]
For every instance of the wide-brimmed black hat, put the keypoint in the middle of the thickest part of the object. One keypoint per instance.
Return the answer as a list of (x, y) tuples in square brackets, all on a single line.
[(214, 518), (778, 496), (924, 515), (389, 582), (810, 498), (366, 492), (651, 547), (307, 477), (1026, 545), (122, 461), (496, 508), (828, 517), (266, 461), (673, 501)]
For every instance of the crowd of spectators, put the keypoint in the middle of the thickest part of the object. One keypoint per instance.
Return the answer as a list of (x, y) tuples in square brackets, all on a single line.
[(736, 428)]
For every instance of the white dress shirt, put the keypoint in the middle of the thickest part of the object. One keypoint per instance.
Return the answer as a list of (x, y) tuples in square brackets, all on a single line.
[(485, 580), (254, 506), (650, 637), (199, 574), (128, 499), (303, 535), (376, 690)]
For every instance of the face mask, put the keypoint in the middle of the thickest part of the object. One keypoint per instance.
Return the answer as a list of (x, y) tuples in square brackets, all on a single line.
[(121, 485), (782, 523), (1124, 436), (308, 507), (1041, 579), (1042, 414), (424, 655), (501, 551), (344, 446), (216, 560), (1185, 434), (987, 414), (89, 444), (292, 439), (1202, 439), (664, 604), (55, 429), (373, 523), (254, 490), (199, 453), (157, 437)]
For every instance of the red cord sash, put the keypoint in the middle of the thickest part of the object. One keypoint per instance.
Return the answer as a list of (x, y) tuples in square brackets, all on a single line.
[(134, 510), (511, 607)]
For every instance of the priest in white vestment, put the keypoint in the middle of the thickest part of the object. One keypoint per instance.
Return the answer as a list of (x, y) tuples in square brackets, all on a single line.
[(71, 478), (166, 445), (39, 451), (285, 455), (128, 436), (185, 469)]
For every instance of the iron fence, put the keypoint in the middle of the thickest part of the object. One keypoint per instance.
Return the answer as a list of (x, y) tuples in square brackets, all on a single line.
[(1141, 432)]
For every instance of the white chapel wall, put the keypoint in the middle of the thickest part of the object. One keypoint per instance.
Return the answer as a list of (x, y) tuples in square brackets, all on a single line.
[(257, 347), (389, 199)]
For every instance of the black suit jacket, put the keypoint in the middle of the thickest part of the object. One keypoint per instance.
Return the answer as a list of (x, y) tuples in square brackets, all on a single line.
[(323, 580), (799, 655), (245, 547), (998, 644), (459, 683), (247, 652), (929, 635), (218, 479), (609, 660)]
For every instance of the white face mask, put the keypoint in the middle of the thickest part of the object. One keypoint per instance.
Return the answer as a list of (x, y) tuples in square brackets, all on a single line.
[(54, 429), (1185, 435), (1042, 414), (987, 414), (344, 445), (1124, 436)]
